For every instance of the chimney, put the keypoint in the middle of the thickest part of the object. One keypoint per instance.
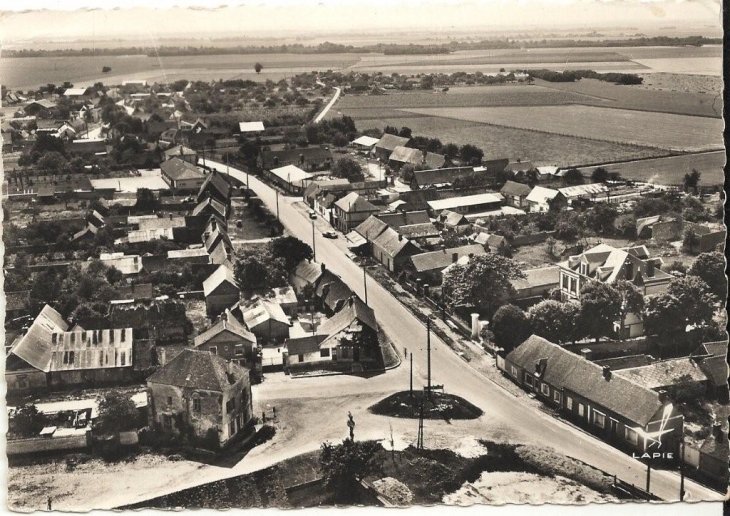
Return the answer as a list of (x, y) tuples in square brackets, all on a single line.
[(454, 257), (540, 366), (650, 266), (351, 301), (400, 237), (662, 396), (324, 267), (586, 353), (607, 372), (163, 357), (475, 326), (181, 150)]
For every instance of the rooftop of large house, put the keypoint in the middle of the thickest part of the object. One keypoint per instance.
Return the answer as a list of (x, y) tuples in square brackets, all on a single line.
[(217, 183), (331, 289), (354, 203), (665, 373), (566, 370), (437, 260), (371, 227), (537, 278), (264, 310), (466, 201), (292, 174), (353, 310), (391, 141), (541, 195), (34, 346), (365, 141), (228, 323), (193, 369), (398, 219), (440, 176), (609, 264), (221, 275), (179, 169), (403, 154), (515, 189), (589, 190), (391, 242)]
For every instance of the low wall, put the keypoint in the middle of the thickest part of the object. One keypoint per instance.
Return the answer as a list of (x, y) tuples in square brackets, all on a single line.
[(47, 444), (531, 239)]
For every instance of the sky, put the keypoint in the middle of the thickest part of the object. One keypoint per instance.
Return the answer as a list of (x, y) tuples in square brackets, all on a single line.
[(22, 23)]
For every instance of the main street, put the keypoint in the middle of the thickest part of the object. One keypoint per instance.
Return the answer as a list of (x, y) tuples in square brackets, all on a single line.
[(529, 424)]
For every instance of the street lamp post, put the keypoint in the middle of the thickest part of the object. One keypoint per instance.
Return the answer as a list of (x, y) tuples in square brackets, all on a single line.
[(314, 244), (681, 465), (428, 355), (277, 205), (365, 284)]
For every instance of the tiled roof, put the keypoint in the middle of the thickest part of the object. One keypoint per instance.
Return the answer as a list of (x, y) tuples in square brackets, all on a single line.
[(262, 311), (229, 324), (331, 289), (391, 242), (371, 227), (538, 278), (398, 219), (452, 219), (353, 310), (588, 190), (222, 274), (570, 371), (515, 189), (664, 373), (308, 271), (217, 206), (414, 231), (301, 345), (437, 260), (390, 142), (195, 369), (437, 176), (716, 369), (542, 195), (179, 169), (627, 362), (217, 183), (354, 203), (177, 150)]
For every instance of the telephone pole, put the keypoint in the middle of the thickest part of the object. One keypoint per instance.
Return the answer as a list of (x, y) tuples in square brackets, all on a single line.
[(428, 355), (277, 205), (419, 439), (365, 284), (314, 244), (411, 391)]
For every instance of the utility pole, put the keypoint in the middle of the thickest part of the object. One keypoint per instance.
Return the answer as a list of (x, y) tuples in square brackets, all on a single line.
[(428, 355), (681, 466), (228, 172), (314, 244), (419, 439), (411, 391), (277, 205), (365, 284), (648, 474)]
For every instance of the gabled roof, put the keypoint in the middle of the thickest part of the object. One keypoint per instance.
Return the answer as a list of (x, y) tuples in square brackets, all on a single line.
[(589, 190), (391, 242), (216, 236), (216, 205), (179, 169), (570, 371), (371, 227), (292, 174), (452, 218), (228, 324), (519, 166), (34, 347), (438, 176), (215, 182), (664, 373), (353, 310), (437, 260), (221, 275), (515, 189), (403, 154), (194, 369), (262, 311), (354, 203), (415, 231), (491, 240), (716, 369), (301, 345), (398, 219), (390, 142), (538, 278), (466, 201), (308, 271), (541, 195), (178, 150), (331, 289), (365, 141)]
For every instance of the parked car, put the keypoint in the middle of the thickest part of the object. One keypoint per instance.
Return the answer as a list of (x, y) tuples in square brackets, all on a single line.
[(352, 256), (329, 234), (312, 214)]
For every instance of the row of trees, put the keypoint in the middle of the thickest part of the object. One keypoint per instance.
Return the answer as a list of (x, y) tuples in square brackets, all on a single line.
[(467, 154), (688, 302)]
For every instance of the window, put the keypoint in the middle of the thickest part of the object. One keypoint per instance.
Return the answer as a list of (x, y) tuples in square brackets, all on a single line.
[(73, 338), (529, 380), (124, 334), (569, 403), (111, 336), (232, 428), (65, 357), (573, 286), (167, 422), (324, 352), (54, 338), (565, 282), (230, 405), (581, 409), (514, 371), (213, 349), (239, 349), (301, 358), (169, 401), (632, 436), (599, 419), (225, 348), (124, 358), (196, 405), (557, 396), (545, 389)]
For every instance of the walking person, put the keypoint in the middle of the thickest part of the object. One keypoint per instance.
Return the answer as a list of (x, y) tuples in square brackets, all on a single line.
[(49, 504)]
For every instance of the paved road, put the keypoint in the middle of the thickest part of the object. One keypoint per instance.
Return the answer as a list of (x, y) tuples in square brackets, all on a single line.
[(529, 424), (328, 106)]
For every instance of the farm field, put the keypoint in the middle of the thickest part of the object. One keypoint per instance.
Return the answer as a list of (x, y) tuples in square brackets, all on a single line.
[(32, 72), (671, 170), (661, 130), (500, 142), (628, 97), (681, 82), (498, 95)]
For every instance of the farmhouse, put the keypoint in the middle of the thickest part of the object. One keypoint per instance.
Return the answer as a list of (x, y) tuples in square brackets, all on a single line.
[(405, 155), (308, 159), (515, 194), (182, 175), (267, 321), (290, 177), (221, 291), (440, 177), (216, 187), (201, 394), (387, 144), (468, 204), (428, 266), (331, 292), (540, 199), (364, 143), (230, 340), (619, 411), (352, 210)]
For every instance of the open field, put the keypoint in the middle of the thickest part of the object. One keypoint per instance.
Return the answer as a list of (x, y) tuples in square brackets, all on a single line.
[(671, 170), (498, 95), (500, 142), (604, 94), (681, 82), (32, 72), (661, 130)]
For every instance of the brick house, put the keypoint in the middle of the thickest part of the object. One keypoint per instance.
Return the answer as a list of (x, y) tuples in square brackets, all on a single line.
[(221, 291), (181, 175), (230, 340), (351, 211), (611, 407), (201, 396), (515, 194)]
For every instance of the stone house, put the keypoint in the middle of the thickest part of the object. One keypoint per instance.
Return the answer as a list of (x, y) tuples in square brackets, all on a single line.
[(229, 339), (221, 291), (201, 396)]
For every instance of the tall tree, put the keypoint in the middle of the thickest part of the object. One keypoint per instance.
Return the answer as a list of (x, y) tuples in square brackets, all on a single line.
[(554, 320), (695, 299), (117, 412), (349, 169), (471, 154), (484, 283), (710, 268), (692, 180), (599, 175), (258, 67), (291, 250), (663, 317), (600, 306), (343, 466), (510, 326)]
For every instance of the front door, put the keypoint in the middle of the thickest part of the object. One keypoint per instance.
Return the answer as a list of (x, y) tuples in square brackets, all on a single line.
[(356, 353)]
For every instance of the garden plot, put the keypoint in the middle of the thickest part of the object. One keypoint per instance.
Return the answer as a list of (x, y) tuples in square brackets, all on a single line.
[(660, 130)]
